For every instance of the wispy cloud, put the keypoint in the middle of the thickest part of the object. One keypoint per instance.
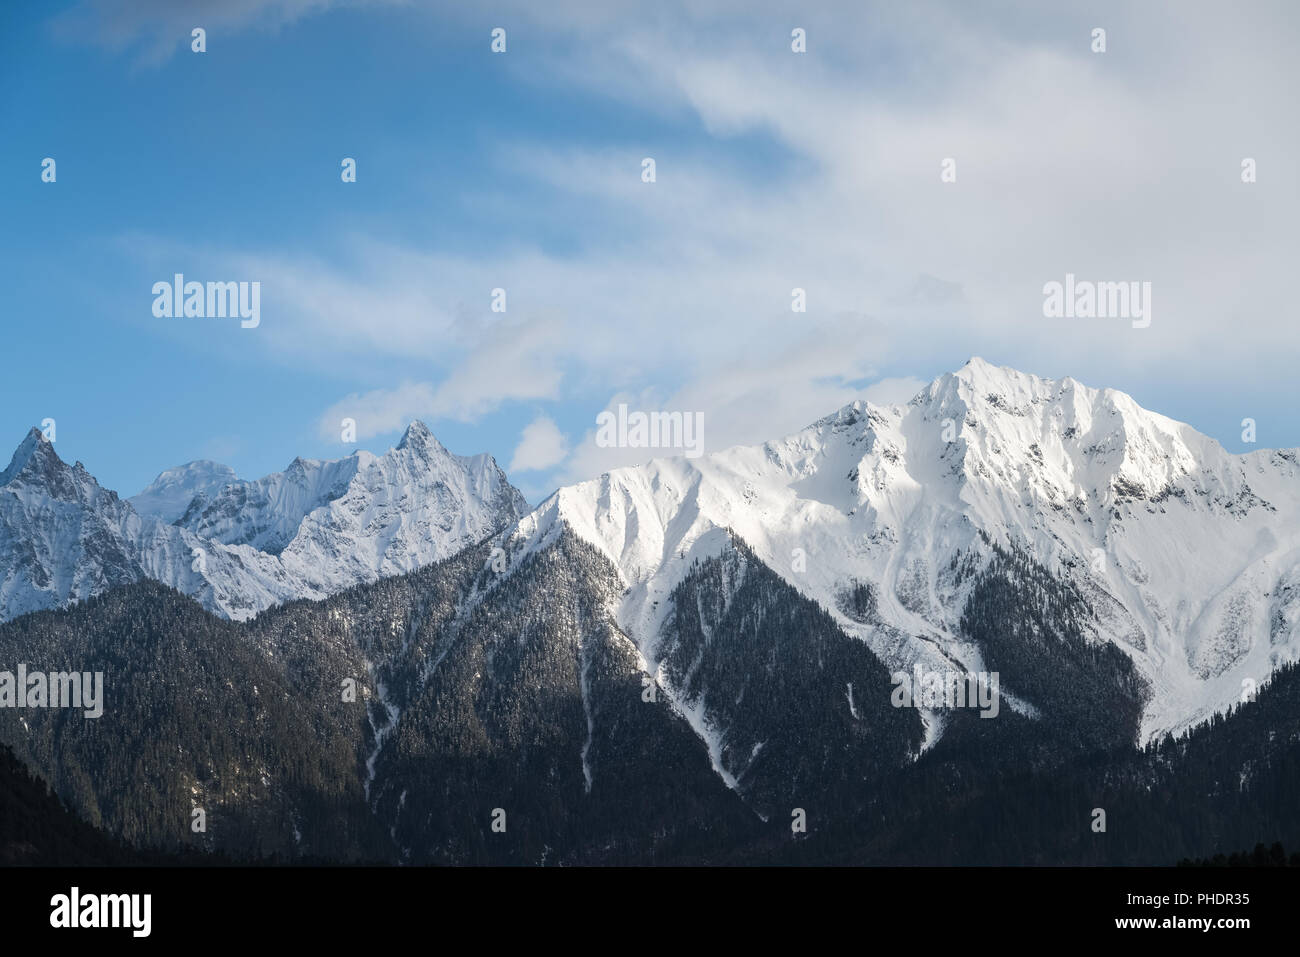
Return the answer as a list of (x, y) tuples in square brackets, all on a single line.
[(156, 29), (1119, 166)]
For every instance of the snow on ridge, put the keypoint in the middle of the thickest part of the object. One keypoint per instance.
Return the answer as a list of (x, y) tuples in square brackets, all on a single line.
[(240, 547), (1187, 549), (1190, 555), (169, 495)]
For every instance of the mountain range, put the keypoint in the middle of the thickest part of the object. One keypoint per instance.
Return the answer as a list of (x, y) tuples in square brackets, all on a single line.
[(666, 662), (236, 546)]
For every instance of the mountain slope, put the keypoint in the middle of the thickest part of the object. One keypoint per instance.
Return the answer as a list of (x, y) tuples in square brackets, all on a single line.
[(1186, 557), (62, 537), (198, 716), (36, 830), (479, 690), (475, 691), (529, 701)]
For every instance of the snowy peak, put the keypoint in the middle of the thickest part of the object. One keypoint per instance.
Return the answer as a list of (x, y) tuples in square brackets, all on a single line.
[(37, 469), (417, 437), (168, 496), (1189, 556), (417, 493), (1060, 441), (26, 449), (415, 504), (62, 536), (35, 457), (265, 513), (241, 546)]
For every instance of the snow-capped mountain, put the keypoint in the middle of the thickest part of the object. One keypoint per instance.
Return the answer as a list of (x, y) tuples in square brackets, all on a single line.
[(62, 537), (1188, 556), (678, 657), (240, 547), (168, 496), (265, 513), (413, 505)]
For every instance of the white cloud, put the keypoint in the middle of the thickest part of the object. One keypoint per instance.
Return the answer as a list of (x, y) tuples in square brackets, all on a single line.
[(897, 391), (379, 411), (541, 446), (821, 171), (508, 364), (749, 402)]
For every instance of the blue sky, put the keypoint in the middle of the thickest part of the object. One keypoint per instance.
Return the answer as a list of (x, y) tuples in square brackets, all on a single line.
[(522, 171)]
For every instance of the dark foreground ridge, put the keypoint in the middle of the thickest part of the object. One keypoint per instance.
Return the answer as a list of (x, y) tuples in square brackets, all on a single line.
[(456, 716)]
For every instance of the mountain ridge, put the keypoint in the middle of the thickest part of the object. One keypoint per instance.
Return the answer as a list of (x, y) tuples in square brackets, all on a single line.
[(711, 643), (1187, 556), (241, 546), (1132, 507)]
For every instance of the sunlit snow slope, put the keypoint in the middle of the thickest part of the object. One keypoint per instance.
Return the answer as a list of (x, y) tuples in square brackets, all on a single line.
[(1188, 555)]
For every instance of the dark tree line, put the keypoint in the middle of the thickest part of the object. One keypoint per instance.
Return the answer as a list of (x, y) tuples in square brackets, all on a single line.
[(521, 693)]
